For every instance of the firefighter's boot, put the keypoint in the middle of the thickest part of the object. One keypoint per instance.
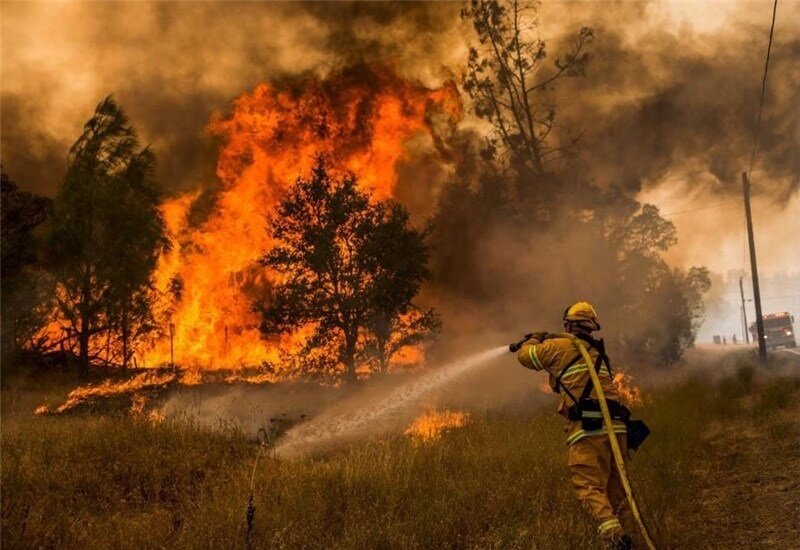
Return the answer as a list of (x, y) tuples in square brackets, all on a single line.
[(622, 543)]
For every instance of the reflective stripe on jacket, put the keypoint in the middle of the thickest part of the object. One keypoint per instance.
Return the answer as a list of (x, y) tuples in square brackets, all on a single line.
[(553, 355)]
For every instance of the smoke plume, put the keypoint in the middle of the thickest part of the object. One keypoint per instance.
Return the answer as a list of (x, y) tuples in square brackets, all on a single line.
[(667, 108)]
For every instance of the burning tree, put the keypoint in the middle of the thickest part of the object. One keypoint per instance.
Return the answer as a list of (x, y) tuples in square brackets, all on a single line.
[(107, 234), (348, 268)]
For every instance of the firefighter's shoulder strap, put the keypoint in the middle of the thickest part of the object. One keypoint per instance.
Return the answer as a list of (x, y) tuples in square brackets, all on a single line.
[(560, 384), (599, 345)]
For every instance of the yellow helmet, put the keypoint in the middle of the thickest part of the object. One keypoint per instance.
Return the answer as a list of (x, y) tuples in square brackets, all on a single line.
[(582, 313)]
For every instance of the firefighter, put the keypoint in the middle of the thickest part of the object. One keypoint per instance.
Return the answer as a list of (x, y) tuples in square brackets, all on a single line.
[(589, 456)]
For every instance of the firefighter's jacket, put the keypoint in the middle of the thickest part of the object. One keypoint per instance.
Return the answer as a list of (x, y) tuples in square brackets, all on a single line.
[(554, 354)]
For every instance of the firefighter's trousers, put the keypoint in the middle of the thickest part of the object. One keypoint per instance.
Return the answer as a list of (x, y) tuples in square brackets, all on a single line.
[(597, 482)]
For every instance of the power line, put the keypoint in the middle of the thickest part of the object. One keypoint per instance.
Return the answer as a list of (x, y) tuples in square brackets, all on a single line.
[(699, 208), (793, 296), (763, 89), (770, 297), (758, 119), (762, 344)]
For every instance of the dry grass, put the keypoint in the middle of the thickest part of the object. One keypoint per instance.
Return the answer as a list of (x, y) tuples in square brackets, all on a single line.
[(118, 482)]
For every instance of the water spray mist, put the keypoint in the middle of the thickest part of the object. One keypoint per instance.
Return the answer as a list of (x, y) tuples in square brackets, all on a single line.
[(347, 421)]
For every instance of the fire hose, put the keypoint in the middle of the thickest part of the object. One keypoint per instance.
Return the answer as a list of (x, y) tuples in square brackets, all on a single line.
[(612, 437)]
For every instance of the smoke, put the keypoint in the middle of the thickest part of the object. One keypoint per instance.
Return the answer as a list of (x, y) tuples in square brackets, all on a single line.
[(656, 94), (322, 418), (172, 66), (667, 110)]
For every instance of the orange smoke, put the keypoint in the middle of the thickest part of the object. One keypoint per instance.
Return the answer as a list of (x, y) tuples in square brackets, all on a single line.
[(359, 119), (431, 425)]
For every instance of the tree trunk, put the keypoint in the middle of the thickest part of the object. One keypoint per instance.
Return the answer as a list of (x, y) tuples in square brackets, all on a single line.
[(83, 342), (83, 335), (125, 340), (383, 361), (350, 357)]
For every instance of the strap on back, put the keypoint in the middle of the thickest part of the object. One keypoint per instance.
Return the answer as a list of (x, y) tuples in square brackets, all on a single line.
[(600, 346), (598, 363), (560, 384)]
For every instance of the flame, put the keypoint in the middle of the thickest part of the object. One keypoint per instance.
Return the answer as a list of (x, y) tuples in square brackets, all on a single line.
[(409, 357), (143, 386), (432, 424), (359, 119), (191, 377), (138, 403), (629, 394), (156, 416), (146, 381)]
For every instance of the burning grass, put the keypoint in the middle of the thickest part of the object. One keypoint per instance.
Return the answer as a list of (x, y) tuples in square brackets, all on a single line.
[(135, 387), (81, 481), (430, 426), (144, 386)]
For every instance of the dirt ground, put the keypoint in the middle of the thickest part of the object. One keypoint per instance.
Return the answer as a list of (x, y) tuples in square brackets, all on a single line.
[(750, 496)]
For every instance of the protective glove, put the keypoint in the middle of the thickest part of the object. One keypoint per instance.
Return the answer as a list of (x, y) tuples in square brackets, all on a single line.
[(514, 347)]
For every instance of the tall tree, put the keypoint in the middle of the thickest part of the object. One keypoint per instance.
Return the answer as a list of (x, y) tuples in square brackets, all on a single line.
[(347, 268), (107, 234), (508, 78), (23, 285), (532, 224)]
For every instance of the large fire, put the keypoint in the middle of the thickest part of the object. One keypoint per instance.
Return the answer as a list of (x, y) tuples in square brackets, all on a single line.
[(359, 119)]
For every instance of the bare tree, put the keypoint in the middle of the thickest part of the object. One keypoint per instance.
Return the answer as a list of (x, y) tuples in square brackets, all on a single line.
[(507, 78)]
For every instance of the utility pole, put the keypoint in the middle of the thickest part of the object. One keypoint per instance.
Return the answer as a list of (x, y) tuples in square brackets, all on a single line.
[(762, 344), (744, 314)]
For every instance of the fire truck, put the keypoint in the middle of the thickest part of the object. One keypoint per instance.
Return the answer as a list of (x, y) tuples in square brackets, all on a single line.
[(778, 330)]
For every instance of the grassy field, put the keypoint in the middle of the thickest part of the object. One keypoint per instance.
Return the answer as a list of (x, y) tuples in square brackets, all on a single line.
[(89, 481)]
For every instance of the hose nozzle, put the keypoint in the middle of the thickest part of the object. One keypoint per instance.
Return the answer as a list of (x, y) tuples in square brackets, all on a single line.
[(514, 347)]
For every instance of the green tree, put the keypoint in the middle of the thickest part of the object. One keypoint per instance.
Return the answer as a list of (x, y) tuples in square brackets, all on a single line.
[(24, 285), (348, 268), (107, 234)]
